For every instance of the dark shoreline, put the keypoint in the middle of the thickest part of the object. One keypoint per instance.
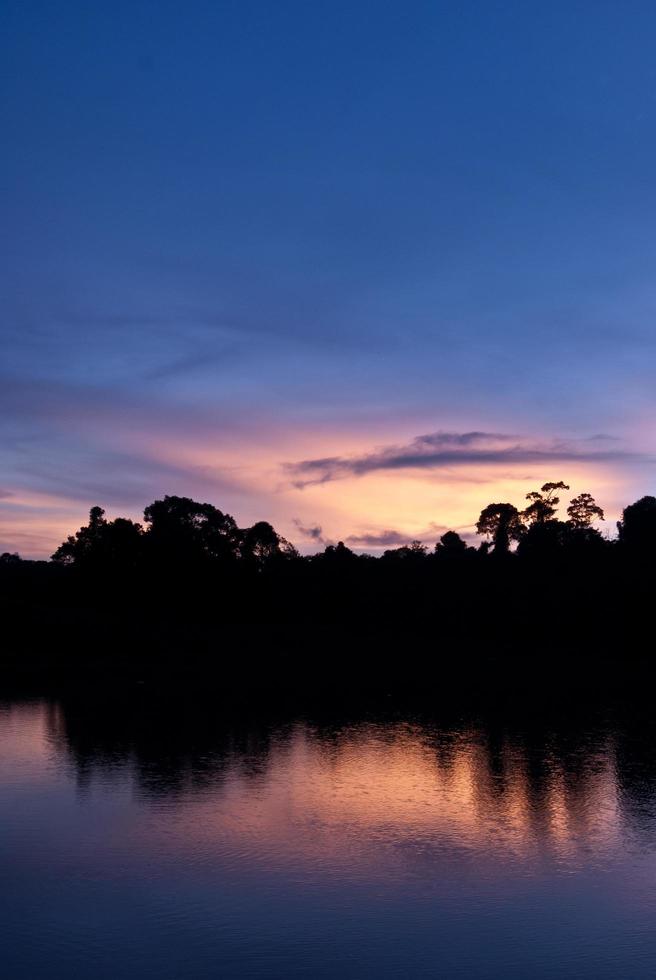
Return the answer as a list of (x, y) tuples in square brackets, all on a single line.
[(362, 673)]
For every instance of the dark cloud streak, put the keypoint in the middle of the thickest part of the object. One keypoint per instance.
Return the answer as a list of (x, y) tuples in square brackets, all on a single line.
[(380, 539), (448, 449), (314, 532)]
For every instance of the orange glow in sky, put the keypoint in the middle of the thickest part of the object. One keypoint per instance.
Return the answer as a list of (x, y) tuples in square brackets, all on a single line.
[(250, 478)]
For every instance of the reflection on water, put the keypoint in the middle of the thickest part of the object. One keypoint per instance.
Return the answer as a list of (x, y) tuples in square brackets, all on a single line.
[(140, 841)]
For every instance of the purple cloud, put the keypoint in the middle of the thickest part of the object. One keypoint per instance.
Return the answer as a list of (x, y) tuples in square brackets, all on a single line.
[(314, 533), (380, 539), (448, 449)]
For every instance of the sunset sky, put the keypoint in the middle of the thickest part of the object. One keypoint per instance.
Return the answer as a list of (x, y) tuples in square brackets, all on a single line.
[(356, 268)]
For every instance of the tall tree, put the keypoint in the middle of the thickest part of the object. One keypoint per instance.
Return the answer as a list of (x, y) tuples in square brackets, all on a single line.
[(543, 503), (583, 511), (503, 523)]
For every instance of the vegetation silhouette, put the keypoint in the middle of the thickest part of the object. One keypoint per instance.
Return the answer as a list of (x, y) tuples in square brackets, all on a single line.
[(188, 590)]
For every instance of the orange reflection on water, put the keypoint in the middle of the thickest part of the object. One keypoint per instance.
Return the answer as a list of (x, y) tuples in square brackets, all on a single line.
[(26, 741), (367, 788)]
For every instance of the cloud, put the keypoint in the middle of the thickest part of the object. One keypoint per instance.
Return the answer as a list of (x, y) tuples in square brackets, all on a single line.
[(443, 450), (380, 539), (315, 533), (394, 538)]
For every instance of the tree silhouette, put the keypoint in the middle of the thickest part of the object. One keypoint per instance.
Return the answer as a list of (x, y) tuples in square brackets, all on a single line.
[(102, 543), (637, 529), (450, 545), (503, 523), (583, 511), (261, 544), (181, 529), (337, 554), (414, 551), (543, 540), (80, 546), (9, 558), (121, 543), (191, 573), (543, 503)]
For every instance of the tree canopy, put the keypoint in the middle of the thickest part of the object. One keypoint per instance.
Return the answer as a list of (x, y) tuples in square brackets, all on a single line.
[(182, 532)]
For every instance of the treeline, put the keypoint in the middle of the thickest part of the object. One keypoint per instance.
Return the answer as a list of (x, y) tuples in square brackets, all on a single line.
[(190, 579), (182, 534)]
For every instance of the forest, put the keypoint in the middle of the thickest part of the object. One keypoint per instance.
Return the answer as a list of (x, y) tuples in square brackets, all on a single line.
[(191, 589)]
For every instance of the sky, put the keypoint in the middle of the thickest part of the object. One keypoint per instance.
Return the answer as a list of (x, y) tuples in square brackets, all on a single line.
[(356, 268)]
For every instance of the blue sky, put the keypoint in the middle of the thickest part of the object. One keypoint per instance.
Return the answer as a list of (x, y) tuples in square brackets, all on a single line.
[(241, 237)]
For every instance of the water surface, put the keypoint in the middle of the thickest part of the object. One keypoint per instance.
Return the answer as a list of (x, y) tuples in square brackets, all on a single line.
[(180, 843)]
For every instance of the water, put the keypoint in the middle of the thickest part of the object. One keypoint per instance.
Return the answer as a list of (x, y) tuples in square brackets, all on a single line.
[(175, 843)]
